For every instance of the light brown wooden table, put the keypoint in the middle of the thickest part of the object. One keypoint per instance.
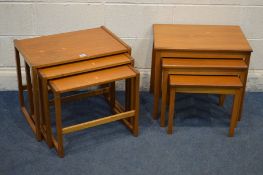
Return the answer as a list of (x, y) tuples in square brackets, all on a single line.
[(196, 41), (73, 69), (89, 79), (195, 68), (52, 50), (209, 85)]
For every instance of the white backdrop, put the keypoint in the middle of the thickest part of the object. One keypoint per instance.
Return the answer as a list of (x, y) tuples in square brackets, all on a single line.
[(131, 20)]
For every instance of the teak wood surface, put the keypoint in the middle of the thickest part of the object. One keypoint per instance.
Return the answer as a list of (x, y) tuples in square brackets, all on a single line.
[(196, 42), (81, 81), (85, 66), (205, 81), (199, 37), (53, 50), (69, 47), (205, 84)]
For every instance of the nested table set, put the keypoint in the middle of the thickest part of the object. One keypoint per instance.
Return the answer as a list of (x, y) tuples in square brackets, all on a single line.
[(208, 59), (74, 61), (199, 59)]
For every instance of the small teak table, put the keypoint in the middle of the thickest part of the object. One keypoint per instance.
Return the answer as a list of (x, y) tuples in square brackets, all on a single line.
[(52, 50), (196, 42)]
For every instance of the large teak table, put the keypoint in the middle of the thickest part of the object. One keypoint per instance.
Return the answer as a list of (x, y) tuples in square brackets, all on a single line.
[(52, 50), (196, 41)]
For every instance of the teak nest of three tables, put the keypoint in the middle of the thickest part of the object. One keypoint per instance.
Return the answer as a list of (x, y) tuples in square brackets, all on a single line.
[(73, 55), (186, 46), (207, 50)]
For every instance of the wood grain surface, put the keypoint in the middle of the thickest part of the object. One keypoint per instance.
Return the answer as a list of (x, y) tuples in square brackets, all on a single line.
[(199, 37), (91, 79), (205, 81), (69, 47)]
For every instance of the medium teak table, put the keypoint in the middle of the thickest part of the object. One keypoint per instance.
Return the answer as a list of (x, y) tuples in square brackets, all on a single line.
[(196, 41), (52, 50)]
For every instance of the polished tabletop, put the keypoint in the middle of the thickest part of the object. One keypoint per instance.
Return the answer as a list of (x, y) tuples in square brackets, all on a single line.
[(68, 47), (199, 37)]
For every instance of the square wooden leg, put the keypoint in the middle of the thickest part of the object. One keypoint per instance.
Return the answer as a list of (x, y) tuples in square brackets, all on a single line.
[(19, 79), (157, 85), (152, 71), (46, 112), (235, 112), (29, 116), (36, 100), (60, 148), (128, 96), (29, 89), (243, 78), (164, 98), (171, 110), (136, 102)]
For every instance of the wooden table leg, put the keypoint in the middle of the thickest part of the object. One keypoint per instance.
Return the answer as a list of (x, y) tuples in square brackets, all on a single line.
[(27, 116), (152, 71), (235, 112), (164, 98), (136, 103), (46, 112), (157, 85), (29, 89), (243, 78), (60, 148), (36, 99), (171, 110), (19, 79)]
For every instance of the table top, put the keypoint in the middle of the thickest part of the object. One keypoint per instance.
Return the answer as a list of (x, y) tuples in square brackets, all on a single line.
[(84, 66), (68, 47), (199, 38), (94, 78), (205, 81)]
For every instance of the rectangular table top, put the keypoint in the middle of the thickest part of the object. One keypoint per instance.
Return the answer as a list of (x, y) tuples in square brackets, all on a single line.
[(199, 38), (68, 47), (85, 80), (205, 81), (84, 66)]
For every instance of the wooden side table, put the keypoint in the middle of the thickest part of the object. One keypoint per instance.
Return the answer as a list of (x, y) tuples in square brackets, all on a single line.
[(195, 67), (85, 80), (52, 50), (196, 41), (73, 69), (209, 85)]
